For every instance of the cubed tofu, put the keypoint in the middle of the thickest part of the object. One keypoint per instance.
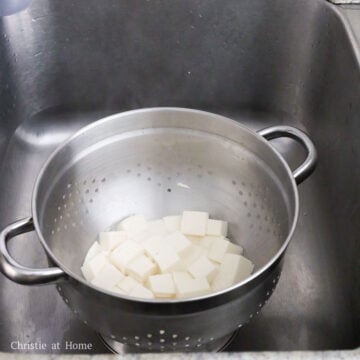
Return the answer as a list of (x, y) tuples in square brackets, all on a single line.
[(173, 257), (167, 260), (194, 223), (233, 269), (107, 277), (194, 239), (180, 277), (207, 241), (87, 272), (94, 265), (162, 253), (127, 284), (162, 285), (218, 249), (153, 244), (187, 286), (172, 223), (133, 224), (156, 227), (141, 268), (141, 236), (111, 239), (117, 290), (192, 255), (124, 253), (141, 292), (216, 227), (234, 249), (203, 268), (94, 249), (179, 242)]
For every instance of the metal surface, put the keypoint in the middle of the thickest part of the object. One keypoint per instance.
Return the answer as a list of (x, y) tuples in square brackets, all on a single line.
[(343, 2), (9, 7), (213, 346), (78, 202), (155, 162), (182, 148), (256, 61), (16, 272), (308, 166)]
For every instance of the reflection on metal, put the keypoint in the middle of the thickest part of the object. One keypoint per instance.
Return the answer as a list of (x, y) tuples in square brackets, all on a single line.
[(339, 2), (10, 7)]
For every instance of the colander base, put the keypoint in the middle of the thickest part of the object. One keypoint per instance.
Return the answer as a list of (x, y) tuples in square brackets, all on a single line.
[(213, 346)]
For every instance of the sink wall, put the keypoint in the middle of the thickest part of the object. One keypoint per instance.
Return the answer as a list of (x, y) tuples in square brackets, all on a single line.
[(258, 55)]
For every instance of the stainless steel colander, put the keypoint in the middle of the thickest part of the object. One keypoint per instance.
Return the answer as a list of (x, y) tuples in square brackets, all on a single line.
[(157, 162)]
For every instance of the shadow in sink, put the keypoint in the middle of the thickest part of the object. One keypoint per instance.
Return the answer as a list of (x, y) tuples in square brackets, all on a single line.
[(258, 62)]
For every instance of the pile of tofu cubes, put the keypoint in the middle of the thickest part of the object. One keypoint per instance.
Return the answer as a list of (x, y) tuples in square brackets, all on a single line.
[(174, 257)]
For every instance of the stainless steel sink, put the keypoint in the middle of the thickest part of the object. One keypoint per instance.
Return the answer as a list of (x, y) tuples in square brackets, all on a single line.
[(65, 63)]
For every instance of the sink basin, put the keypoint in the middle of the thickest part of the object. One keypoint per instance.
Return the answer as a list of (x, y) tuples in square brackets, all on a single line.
[(67, 63)]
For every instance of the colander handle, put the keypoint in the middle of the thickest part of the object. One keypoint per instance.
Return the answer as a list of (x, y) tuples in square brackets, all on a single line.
[(16, 272), (308, 166)]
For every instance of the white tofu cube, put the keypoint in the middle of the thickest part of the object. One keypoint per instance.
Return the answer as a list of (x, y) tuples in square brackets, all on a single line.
[(234, 249), (94, 249), (153, 244), (87, 272), (167, 259), (172, 223), (127, 284), (216, 227), (180, 277), (93, 266), (162, 253), (141, 268), (203, 268), (141, 292), (117, 290), (107, 277), (245, 267), (218, 249), (111, 239), (187, 286), (133, 224), (179, 242), (233, 269), (194, 239), (207, 241), (194, 223), (156, 227), (162, 285), (192, 255), (141, 236), (124, 253)]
